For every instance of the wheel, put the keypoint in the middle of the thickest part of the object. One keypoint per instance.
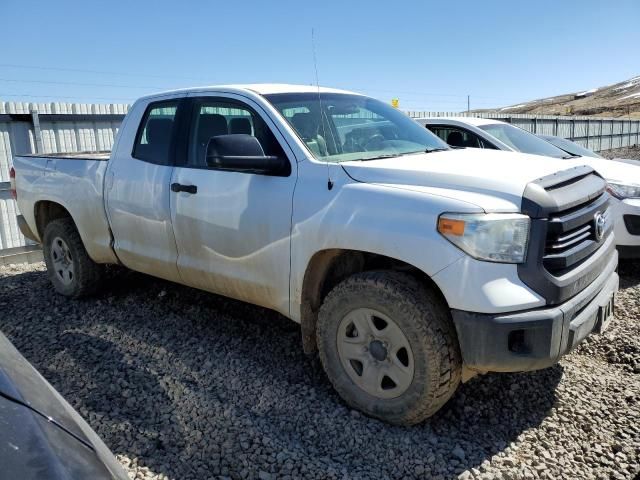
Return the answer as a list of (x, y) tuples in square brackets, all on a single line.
[(70, 269), (389, 347)]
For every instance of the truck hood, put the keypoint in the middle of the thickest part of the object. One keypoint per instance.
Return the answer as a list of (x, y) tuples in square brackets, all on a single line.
[(489, 173)]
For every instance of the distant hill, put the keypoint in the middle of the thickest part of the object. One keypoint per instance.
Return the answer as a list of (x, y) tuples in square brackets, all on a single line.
[(617, 100)]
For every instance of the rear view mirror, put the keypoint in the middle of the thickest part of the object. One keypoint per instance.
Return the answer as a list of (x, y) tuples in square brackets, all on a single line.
[(344, 109), (243, 153)]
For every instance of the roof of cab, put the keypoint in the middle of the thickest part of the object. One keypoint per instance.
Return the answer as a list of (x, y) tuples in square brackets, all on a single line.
[(269, 88), (259, 88)]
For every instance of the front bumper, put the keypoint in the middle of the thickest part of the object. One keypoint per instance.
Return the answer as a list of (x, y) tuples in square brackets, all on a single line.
[(537, 338)]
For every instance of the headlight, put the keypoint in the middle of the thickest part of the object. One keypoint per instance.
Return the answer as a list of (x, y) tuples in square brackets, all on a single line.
[(623, 190), (494, 237)]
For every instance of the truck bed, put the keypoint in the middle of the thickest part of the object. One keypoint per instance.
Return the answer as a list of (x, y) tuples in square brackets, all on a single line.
[(75, 182)]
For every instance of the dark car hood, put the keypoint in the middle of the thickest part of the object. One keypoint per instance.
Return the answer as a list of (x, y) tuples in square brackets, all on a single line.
[(42, 435)]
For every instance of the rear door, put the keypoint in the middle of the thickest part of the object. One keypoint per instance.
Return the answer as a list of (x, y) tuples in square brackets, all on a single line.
[(233, 228), (138, 189)]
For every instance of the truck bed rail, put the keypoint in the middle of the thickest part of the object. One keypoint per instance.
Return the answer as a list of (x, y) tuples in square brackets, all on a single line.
[(100, 156)]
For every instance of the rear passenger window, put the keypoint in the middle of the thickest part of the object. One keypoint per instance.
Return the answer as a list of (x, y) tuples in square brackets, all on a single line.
[(154, 138), (440, 132)]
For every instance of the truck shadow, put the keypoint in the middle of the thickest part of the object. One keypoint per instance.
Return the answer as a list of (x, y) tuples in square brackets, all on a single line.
[(188, 382), (629, 271)]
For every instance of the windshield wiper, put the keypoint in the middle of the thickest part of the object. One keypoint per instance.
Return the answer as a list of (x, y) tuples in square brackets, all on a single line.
[(389, 155), (438, 149), (571, 155)]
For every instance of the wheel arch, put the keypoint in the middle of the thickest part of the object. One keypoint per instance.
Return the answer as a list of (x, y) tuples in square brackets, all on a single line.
[(327, 268), (94, 232), (45, 211)]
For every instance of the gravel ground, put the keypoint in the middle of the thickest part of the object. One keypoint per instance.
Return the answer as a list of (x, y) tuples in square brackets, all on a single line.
[(627, 152), (186, 385)]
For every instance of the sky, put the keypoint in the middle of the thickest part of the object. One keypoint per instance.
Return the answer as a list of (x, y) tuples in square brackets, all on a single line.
[(428, 54)]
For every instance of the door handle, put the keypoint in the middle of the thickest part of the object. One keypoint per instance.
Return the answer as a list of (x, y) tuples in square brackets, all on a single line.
[(177, 187)]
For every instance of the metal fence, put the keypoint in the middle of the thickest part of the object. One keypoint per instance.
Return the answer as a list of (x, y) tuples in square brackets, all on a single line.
[(48, 128), (66, 127)]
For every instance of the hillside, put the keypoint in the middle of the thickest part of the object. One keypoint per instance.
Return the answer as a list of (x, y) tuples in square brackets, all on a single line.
[(618, 100)]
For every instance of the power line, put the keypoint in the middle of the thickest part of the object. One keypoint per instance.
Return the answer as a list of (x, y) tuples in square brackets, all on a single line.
[(63, 96), (53, 82), (435, 94), (433, 104), (100, 72)]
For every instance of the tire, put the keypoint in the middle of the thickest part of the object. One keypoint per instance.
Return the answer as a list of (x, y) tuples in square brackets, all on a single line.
[(425, 375), (70, 269)]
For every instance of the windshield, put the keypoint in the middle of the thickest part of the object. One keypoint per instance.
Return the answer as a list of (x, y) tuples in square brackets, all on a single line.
[(522, 141), (353, 127), (571, 147)]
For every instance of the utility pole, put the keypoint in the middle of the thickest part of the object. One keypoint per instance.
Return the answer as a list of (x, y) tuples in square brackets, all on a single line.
[(468, 104)]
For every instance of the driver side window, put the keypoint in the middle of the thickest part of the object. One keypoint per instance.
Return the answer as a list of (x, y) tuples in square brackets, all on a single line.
[(212, 117)]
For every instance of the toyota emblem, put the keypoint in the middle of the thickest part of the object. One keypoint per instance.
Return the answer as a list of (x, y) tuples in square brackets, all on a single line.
[(600, 224)]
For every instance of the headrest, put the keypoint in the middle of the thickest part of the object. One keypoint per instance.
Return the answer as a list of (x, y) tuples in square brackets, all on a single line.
[(211, 125), (159, 130), (455, 139), (305, 124), (240, 125)]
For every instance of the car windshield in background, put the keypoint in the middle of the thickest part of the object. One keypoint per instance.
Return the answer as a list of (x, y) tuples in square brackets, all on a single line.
[(522, 141), (340, 127), (570, 147)]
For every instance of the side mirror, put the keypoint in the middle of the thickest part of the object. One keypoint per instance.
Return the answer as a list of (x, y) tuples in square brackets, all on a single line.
[(242, 153)]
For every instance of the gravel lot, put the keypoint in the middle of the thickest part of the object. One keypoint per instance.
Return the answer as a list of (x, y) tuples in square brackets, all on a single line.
[(187, 385), (627, 152)]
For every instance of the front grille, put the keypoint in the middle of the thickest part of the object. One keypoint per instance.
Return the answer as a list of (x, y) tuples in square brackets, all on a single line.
[(567, 250), (572, 237)]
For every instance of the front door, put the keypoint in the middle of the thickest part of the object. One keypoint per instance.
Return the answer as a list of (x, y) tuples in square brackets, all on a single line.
[(233, 228)]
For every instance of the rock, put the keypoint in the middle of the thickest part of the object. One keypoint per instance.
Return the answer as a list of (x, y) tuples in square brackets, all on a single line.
[(458, 453)]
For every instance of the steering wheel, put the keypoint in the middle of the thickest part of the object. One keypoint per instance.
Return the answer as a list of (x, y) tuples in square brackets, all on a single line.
[(374, 141)]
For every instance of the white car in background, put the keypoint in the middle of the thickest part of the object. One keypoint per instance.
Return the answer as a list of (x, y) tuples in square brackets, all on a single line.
[(623, 178), (577, 149)]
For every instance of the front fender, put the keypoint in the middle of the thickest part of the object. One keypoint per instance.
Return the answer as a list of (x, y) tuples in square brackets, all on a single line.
[(383, 220)]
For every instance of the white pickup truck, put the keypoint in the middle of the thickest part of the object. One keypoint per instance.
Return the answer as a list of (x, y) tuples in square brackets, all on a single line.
[(409, 265)]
